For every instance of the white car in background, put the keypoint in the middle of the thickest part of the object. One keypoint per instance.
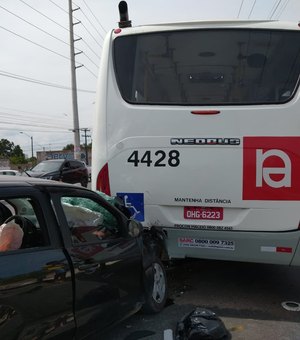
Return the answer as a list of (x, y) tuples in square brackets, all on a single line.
[(9, 172)]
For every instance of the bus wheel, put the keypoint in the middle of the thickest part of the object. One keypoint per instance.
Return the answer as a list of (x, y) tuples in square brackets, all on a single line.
[(155, 287)]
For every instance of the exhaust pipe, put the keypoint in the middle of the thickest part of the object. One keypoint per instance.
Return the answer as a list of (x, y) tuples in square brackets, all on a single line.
[(124, 20)]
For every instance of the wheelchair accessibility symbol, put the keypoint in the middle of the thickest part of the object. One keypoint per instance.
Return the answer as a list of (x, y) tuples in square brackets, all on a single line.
[(135, 203)]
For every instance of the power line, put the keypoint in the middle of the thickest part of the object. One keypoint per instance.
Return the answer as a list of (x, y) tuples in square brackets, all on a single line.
[(270, 13), (80, 37), (240, 8), (282, 9), (29, 23), (59, 6), (38, 131), (90, 59), (90, 71), (43, 47), (96, 41), (275, 8), (252, 9), (10, 116), (39, 82), (45, 16), (60, 26), (90, 22), (39, 45), (13, 117), (38, 114), (97, 55), (31, 124), (94, 16)]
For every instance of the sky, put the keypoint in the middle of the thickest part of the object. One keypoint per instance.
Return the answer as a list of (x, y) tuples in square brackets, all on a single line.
[(35, 70)]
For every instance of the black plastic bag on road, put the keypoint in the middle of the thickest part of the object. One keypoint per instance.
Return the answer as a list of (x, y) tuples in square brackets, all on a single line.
[(201, 324)]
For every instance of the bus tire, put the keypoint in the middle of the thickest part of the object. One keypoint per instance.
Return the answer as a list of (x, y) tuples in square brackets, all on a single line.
[(155, 288)]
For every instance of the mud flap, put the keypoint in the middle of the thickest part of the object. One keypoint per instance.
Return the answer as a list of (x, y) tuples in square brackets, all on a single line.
[(200, 324)]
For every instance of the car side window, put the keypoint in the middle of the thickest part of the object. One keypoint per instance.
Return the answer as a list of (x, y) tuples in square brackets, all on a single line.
[(21, 224), (74, 165), (88, 220), (67, 165)]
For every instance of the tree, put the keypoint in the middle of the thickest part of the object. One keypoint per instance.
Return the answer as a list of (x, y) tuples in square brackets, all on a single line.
[(9, 151), (17, 151), (6, 148), (17, 156), (68, 147)]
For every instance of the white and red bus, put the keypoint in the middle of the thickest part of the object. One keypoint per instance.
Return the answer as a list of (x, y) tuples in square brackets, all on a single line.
[(197, 128)]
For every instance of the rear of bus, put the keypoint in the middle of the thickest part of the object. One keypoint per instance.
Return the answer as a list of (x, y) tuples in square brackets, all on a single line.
[(197, 129)]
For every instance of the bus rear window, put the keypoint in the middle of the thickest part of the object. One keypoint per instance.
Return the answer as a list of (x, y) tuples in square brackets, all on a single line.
[(208, 67)]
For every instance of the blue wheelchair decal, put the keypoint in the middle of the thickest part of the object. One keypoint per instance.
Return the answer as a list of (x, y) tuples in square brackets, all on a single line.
[(135, 203)]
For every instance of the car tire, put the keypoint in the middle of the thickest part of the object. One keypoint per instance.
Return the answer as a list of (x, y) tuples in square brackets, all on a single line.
[(156, 288), (84, 182)]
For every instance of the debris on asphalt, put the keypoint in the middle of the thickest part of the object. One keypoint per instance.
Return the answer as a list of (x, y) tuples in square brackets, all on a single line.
[(201, 323)]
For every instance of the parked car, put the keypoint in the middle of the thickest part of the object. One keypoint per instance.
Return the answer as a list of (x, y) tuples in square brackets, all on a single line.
[(9, 172), (71, 262), (69, 171)]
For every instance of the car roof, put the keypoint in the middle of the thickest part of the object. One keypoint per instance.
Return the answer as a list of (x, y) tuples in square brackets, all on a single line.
[(54, 160), (10, 181), (61, 160), (8, 170)]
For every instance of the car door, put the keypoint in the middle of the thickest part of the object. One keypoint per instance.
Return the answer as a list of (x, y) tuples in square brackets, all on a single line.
[(35, 277), (107, 260), (66, 172)]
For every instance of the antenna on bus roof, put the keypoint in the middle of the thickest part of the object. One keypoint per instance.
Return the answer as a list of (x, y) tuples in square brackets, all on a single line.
[(123, 10)]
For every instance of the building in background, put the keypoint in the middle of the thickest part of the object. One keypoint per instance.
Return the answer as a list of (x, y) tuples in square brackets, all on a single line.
[(66, 154)]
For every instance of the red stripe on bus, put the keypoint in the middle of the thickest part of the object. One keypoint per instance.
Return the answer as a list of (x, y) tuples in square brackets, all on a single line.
[(284, 250)]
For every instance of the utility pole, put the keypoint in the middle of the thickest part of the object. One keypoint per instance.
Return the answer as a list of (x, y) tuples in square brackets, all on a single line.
[(85, 145), (74, 85), (31, 142)]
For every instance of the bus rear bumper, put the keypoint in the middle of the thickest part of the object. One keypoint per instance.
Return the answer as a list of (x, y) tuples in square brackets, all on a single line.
[(261, 247)]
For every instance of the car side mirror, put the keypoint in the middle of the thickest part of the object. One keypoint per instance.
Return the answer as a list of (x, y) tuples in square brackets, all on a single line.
[(134, 228)]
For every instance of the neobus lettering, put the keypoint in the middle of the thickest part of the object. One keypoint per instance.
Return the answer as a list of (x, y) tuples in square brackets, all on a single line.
[(205, 141)]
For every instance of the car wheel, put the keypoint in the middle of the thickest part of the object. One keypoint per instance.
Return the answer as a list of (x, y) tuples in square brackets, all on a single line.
[(84, 182), (156, 288)]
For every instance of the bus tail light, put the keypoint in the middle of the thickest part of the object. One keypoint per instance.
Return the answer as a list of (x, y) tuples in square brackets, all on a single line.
[(103, 180), (205, 112)]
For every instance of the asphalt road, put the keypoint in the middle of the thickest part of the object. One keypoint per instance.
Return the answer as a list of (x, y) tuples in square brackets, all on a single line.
[(247, 297)]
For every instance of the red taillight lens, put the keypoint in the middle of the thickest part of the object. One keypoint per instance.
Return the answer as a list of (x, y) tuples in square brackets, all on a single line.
[(103, 180)]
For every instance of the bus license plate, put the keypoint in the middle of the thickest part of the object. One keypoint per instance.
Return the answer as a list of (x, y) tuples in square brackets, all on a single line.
[(203, 213)]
